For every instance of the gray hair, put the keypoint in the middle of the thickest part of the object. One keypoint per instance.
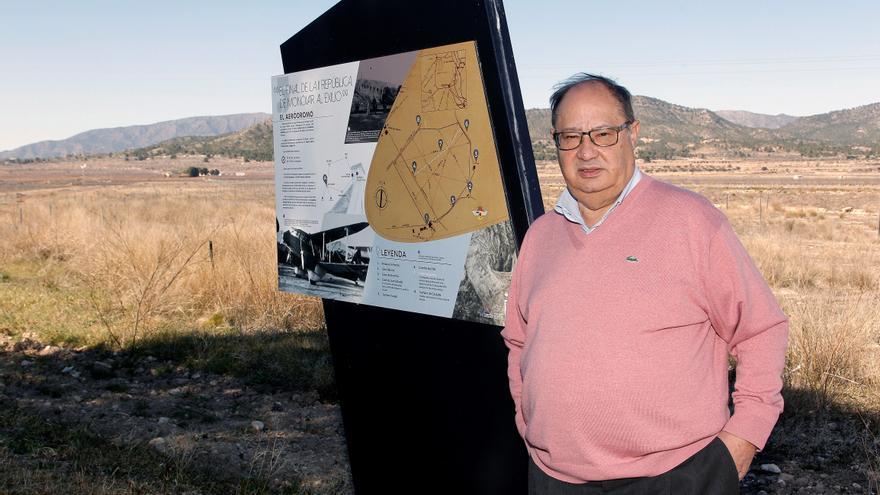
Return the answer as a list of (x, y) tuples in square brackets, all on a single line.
[(622, 94)]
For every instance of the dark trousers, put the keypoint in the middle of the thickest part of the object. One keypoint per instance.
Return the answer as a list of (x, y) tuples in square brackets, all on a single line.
[(710, 471)]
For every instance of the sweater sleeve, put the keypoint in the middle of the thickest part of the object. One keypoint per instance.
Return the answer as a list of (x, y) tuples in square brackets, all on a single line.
[(514, 338), (744, 313)]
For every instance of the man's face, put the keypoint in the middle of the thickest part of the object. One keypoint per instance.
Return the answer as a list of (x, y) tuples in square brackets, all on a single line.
[(595, 175)]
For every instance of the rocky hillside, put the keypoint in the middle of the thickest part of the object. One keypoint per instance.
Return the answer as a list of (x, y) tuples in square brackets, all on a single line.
[(759, 120), (859, 126), (252, 143)]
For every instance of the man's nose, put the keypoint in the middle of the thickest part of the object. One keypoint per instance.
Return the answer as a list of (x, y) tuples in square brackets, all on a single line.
[(587, 150)]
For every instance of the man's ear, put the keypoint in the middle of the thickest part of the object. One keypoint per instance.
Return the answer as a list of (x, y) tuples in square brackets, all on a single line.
[(634, 133), (553, 142)]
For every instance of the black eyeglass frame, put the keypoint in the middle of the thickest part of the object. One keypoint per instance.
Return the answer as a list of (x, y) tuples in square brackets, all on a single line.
[(589, 134)]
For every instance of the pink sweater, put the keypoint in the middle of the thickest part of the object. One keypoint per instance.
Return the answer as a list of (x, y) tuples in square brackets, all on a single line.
[(619, 339)]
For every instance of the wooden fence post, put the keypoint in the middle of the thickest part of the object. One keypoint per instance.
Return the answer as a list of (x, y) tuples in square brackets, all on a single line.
[(761, 207)]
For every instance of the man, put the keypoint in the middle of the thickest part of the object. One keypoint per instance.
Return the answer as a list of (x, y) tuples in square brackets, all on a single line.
[(624, 305)]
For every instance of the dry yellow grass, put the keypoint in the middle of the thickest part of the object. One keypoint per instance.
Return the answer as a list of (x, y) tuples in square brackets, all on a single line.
[(833, 348), (140, 256)]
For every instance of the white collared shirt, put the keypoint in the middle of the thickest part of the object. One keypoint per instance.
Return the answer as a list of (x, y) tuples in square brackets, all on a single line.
[(568, 207)]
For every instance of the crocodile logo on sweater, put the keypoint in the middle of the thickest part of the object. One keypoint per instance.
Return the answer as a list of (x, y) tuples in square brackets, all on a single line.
[(632, 259)]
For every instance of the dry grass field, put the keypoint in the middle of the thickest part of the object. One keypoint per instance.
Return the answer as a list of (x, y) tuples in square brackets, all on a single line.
[(147, 255), (116, 255)]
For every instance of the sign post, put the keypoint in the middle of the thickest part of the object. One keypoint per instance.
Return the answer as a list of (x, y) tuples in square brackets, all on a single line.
[(405, 181)]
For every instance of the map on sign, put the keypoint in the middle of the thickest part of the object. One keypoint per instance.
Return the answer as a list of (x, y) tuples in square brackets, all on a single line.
[(444, 85), (435, 171)]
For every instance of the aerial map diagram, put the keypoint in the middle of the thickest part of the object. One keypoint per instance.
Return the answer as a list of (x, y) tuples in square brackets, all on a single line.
[(435, 172)]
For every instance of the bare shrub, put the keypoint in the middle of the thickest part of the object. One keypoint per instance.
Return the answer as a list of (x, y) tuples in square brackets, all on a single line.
[(136, 270)]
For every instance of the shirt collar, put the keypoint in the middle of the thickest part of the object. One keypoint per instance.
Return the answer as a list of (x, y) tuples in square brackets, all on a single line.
[(567, 205)]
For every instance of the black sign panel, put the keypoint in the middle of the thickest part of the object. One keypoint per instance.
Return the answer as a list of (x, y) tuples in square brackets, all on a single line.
[(425, 401)]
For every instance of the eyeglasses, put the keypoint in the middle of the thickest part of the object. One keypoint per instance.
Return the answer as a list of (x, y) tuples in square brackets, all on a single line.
[(603, 136)]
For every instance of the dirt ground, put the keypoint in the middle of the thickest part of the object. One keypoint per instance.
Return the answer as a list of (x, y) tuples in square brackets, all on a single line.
[(212, 422), (221, 424)]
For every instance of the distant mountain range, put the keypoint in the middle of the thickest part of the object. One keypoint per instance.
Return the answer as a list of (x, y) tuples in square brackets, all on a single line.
[(667, 131), (112, 140), (760, 120)]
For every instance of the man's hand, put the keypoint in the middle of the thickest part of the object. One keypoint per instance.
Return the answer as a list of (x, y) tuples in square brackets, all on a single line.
[(741, 450)]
